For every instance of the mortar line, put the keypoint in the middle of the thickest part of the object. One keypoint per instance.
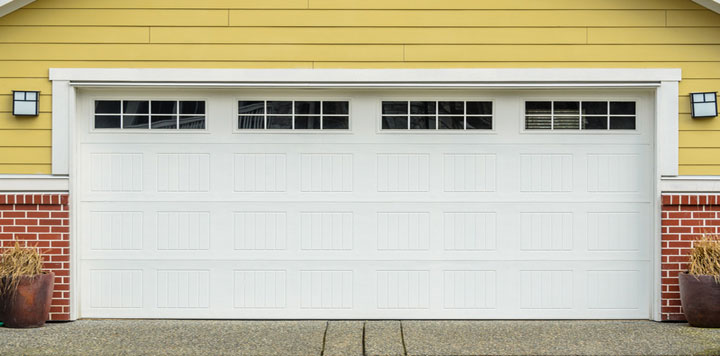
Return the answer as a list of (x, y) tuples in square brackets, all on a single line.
[(402, 338), (327, 324)]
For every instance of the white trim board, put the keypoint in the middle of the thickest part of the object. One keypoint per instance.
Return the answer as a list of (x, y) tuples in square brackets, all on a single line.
[(691, 184), (8, 6), (17, 183), (713, 5)]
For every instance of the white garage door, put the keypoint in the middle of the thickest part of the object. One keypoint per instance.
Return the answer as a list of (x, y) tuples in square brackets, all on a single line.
[(364, 204)]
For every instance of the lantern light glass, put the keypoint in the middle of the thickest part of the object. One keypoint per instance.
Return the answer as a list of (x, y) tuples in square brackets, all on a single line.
[(704, 104), (25, 103)]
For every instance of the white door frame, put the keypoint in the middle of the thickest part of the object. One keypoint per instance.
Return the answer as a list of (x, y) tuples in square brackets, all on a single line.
[(66, 81)]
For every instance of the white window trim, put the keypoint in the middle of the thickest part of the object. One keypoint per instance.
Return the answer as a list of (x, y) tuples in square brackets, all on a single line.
[(663, 81)]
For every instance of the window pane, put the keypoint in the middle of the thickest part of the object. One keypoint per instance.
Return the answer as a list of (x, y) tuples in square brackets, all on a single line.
[(479, 123), (538, 123), (107, 122), (567, 108), (307, 122), (163, 122), (135, 122), (336, 123), (251, 107), (394, 107), (451, 107), (622, 123), (622, 108), (479, 107), (192, 108), (335, 107), (279, 122), (136, 107), (451, 122), (107, 107), (594, 107), (164, 107), (422, 122), (422, 107), (307, 107), (538, 107), (279, 107), (192, 122), (394, 122), (595, 122), (566, 123), (251, 122)]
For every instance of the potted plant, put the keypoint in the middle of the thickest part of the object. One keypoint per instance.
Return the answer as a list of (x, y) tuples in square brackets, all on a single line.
[(25, 289), (700, 285)]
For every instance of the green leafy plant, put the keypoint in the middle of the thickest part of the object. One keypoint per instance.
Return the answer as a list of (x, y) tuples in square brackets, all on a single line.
[(18, 262), (705, 257)]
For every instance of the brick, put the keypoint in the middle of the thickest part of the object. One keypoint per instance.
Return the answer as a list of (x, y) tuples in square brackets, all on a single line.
[(13, 228), (26, 222), (687, 222), (60, 228), (666, 199), (678, 258), (703, 214), (50, 222), (56, 258), (682, 214), (7, 207), (49, 236), (49, 207), (60, 244), (680, 244), (670, 222), (13, 214), (26, 207), (60, 215)]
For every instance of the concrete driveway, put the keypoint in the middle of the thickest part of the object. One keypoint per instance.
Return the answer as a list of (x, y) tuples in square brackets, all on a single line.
[(333, 338)]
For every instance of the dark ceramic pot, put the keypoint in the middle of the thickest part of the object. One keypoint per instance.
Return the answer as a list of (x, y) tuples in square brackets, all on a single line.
[(700, 297), (29, 306)]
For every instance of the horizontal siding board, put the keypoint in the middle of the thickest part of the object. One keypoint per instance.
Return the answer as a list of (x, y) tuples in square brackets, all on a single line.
[(40, 122), (25, 155), (688, 86), (689, 18), (699, 156), (699, 170), (25, 168), (552, 53), (172, 4), (39, 69), (43, 85), (56, 34), (115, 17), (448, 18), (624, 35), (702, 138), (230, 52), (502, 4), (25, 138), (353, 35)]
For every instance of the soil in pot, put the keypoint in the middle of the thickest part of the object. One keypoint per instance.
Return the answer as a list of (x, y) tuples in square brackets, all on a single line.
[(29, 305), (700, 297)]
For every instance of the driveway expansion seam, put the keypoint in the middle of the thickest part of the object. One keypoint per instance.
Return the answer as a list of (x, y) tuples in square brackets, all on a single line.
[(363, 339), (402, 338), (327, 325)]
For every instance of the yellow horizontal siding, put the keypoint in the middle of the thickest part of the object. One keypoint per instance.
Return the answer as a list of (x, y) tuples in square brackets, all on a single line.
[(448, 18), (25, 138), (54, 34), (25, 168), (41, 122), (363, 35), (177, 4), (503, 4), (654, 35), (115, 17), (201, 52), (25, 155), (354, 34)]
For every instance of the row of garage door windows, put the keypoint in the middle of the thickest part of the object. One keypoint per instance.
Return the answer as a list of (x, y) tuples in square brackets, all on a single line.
[(335, 115)]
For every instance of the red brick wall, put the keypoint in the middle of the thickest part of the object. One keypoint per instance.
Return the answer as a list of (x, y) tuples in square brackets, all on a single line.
[(42, 220), (685, 217)]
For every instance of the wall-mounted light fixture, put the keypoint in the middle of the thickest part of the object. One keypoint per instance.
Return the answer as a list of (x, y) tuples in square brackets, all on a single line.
[(704, 104), (25, 103)]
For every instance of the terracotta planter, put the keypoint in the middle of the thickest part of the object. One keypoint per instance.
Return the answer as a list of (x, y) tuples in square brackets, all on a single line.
[(700, 297), (29, 306)]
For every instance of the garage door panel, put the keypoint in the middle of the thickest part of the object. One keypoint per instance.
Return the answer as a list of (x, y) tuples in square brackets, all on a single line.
[(366, 223), (388, 289)]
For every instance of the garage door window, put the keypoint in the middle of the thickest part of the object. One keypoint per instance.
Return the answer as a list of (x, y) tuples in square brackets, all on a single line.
[(580, 115), (150, 114), (437, 115), (293, 115)]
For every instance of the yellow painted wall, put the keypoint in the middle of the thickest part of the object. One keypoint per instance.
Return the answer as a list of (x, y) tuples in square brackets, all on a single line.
[(354, 34)]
